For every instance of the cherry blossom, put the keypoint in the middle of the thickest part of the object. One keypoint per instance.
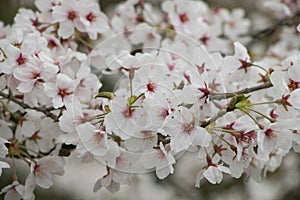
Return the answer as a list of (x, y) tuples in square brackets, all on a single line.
[(185, 78), (41, 171), (161, 159), (61, 91)]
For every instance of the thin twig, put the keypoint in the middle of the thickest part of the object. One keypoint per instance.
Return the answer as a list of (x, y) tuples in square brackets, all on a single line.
[(220, 114), (220, 96), (46, 111)]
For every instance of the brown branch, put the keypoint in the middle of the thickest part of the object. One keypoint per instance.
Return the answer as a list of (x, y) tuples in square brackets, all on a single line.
[(46, 111), (220, 96), (288, 21)]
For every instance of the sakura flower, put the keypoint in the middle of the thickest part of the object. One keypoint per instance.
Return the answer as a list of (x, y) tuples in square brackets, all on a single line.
[(150, 80), (146, 35), (158, 108), (212, 172), (27, 20), (185, 132), (280, 8), (123, 120), (95, 141), (277, 135), (185, 16), (110, 158), (16, 191), (73, 116), (142, 141), (161, 159), (87, 83), (236, 24), (28, 76), (39, 134), (16, 58), (61, 91), (41, 171), (112, 180), (92, 20), (68, 16), (46, 8)]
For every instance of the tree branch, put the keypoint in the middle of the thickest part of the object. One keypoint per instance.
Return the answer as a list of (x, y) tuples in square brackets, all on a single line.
[(46, 111), (288, 21), (220, 96)]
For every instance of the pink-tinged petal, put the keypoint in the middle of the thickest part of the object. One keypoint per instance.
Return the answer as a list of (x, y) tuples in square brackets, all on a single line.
[(57, 102), (295, 99), (28, 128), (202, 137), (26, 87), (66, 30), (164, 172), (50, 89), (92, 139), (213, 175), (199, 177), (64, 81), (43, 179)]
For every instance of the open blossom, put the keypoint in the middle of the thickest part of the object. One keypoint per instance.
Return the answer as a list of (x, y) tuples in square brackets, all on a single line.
[(111, 181), (176, 90), (16, 191), (68, 15), (61, 91), (123, 120), (146, 35), (213, 171), (93, 140), (41, 172), (161, 159), (92, 19), (187, 132), (185, 16)]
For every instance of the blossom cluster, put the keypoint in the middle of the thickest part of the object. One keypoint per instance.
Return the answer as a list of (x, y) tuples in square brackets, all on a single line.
[(186, 83)]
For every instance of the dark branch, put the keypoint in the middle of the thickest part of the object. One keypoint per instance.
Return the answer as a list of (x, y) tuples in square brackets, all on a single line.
[(46, 111), (220, 96), (288, 21)]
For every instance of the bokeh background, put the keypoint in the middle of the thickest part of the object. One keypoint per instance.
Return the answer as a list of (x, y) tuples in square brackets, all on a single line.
[(79, 178)]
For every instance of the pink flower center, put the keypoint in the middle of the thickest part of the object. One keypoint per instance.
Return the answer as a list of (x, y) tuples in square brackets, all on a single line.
[(204, 39), (91, 17), (171, 67), (270, 133), (293, 85), (63, 92), (128, 112), (21, 60), (151, 87), (72, 15), (183, 17), (188, 128), (51, 44), (35, 75), (244, 65), (164, 113), (98, 137), (150, 37)]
